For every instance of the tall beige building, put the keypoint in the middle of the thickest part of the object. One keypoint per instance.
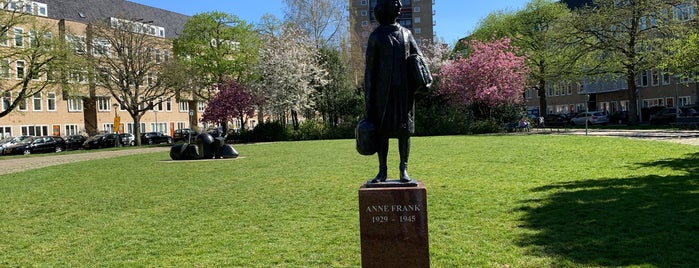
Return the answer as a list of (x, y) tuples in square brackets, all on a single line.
[(416, 15)]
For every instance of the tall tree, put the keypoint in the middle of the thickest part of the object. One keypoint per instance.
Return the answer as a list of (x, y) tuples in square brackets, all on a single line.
[(39, 57), (289, 72), (491, 75), (338, 99), (232, 101), (541, 35), (213, 48), (630, 36), (324, 21), (126, 67)]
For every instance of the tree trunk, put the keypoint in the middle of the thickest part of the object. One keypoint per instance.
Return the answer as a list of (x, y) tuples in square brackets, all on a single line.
[(242, 123), (295, 119), (136, 128), (633, 97), (541, 89)]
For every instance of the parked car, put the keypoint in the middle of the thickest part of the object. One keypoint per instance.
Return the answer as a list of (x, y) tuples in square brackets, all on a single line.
[(6, 142), (155, 138), (184, 134), (619, 117), (127, 139), (592, 118), (101, 141), (40, 144), (556, 120), (74, 142), (669, 115)]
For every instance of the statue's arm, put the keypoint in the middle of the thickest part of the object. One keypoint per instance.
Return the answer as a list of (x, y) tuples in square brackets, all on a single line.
[(369, 72), (414, 49)]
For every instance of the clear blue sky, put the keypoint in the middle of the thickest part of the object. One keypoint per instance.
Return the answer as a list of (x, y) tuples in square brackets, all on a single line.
[(455, 18)]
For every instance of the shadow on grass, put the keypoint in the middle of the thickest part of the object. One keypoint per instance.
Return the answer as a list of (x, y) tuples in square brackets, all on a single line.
[(646, 221)]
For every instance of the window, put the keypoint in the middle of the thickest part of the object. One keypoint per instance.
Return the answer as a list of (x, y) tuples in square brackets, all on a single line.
[(19, 69), (51, 101), (644, 79), (108, 127), (363, 2), (22, 105), (416, 9), (35, 130), (33, 41), (684, 100), (5, 69), (647, 103), (159, 127), (364, 13), (666, 77), (36, 101), (42, 11), (365, 23), (184, 106), (166, 55), (6, 100), (78, 43), (159, 105), (158, 56), (416, 20), (101, 48), (103, 104), (684, 12), (181, 125), (655, 75), (418, 30), (5, 132), (19, 37), (75, 104), (168, 104), (72, 130), (201, 106), (4, 36)]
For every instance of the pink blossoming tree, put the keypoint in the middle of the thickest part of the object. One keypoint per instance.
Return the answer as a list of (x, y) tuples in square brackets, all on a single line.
[(492, 75), (233, 101)]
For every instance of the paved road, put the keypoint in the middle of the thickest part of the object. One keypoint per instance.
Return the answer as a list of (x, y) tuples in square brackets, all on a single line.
[(690, 137), (12, 165), (16, 164)]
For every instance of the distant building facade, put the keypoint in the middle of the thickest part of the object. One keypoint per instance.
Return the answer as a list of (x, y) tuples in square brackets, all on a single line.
[(55, 112), (656, 88)]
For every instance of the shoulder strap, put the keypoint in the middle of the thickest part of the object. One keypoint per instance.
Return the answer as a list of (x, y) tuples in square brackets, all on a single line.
[(406, 43)]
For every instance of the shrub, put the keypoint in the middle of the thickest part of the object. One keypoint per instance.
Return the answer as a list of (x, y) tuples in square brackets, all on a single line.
[(441, 120), (486, 126), (270, 131), (311, 130)]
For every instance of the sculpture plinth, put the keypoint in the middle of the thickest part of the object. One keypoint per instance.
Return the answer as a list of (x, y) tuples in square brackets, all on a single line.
[(393, 226)]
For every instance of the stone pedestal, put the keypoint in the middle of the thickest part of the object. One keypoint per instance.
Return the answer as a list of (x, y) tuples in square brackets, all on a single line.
[(393, 226)]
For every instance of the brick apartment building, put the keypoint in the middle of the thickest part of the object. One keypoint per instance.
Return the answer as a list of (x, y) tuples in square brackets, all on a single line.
[(656, 88), (53, 112)]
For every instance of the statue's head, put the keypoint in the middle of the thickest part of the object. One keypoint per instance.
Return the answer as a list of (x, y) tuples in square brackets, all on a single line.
[(386, 11)]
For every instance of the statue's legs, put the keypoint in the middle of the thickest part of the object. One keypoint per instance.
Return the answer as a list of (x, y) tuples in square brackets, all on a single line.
[(382, 152), (404, 151)]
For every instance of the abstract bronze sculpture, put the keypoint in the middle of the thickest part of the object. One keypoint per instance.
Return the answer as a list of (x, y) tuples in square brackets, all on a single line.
[(205, 146)]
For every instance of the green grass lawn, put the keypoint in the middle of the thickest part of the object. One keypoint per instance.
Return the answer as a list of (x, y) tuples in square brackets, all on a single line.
[(493, 201)]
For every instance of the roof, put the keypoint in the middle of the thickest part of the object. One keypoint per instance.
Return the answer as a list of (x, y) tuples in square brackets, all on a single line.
[(91, 11)]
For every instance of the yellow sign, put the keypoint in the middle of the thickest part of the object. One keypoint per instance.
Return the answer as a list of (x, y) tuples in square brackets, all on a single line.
[(117, 123)]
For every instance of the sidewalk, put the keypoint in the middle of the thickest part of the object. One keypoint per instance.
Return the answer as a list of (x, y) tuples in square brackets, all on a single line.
[(678, 136), (14, 164)]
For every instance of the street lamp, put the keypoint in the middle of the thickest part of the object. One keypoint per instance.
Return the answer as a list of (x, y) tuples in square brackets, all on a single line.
[(587, 111), (117, 124), (157, 129)]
